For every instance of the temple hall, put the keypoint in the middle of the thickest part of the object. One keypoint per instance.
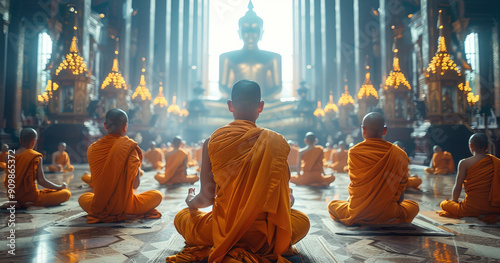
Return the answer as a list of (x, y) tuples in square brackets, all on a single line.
[(250, 131)]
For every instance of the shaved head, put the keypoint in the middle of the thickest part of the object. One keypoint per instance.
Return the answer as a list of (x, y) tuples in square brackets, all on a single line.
[(436, 148), (479, 141), (116, 119), (373, 125), (176, 141), (245, 95), (310, 138), (27, 136), (5, 147), (62, 144)]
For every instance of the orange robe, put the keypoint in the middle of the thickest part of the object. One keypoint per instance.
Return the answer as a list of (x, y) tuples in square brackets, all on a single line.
[(3, 160), (312, 169), (62, 161), (155, 157), (339, 160), (482, 189), (379, 174), (87, 179), (24, 183), (327, 154), (251, 219), (190, 162), (442, 163), (293, 158), (175, 170), (414, 182), (114, 162)]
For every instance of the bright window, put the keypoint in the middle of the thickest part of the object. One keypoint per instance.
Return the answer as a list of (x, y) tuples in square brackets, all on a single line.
[(472, 56), (277, 36), (44, 55)]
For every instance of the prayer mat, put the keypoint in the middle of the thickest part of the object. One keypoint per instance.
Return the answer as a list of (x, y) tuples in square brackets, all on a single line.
[(434, 217), (80, 220), (315, 249)]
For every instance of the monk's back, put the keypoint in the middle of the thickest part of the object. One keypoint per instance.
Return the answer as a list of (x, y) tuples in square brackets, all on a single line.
[(313, 159), (478, 180)]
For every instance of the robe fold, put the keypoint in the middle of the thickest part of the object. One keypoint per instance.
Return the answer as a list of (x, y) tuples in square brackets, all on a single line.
[(25, 186), (155, 157), (379, 173), (114, 163), (251, 219), (482, 189), (339, 160), (442, 163), (175, 169), (312, 169), (63, 164)]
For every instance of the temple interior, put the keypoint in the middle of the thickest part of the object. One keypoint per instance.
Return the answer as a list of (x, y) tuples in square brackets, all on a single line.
[(431, 68)]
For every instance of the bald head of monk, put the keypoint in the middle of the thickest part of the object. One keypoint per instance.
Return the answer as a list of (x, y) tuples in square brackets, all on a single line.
[(478, 143), (176, 142), (341, 145), (437, 149), (373, 126), (61, 146), (245, 102), (116, 122), (152, 145), (28, 138), (5, 147), (310, 138)]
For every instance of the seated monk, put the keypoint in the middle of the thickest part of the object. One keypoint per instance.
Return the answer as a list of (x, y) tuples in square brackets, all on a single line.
[(155, 156), (245, 177), (441, 163), (114, 162), (28, 171), (327, 153), (339, 158), (60, 160), (413, 181), (311, 163), (293, 156), (3, 157), (191, 162), (175, 166), (480, 175), (379, 173)]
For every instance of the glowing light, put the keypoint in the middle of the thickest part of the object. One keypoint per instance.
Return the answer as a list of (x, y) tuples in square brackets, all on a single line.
[(319, 111), (367, 89), (184, 112), (345, 98), (73, 61), (174, 108), (396, 78), (160, 98), (330, 106), (142, 91)]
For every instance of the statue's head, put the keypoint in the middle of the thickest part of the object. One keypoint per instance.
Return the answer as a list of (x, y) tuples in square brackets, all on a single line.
[(250, 27)]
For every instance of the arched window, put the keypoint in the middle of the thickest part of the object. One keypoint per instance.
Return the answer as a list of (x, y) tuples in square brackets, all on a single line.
[(44, 55), (472, 56)]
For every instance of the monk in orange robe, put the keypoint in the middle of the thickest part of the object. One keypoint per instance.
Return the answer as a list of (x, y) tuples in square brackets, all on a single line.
[(293, 156), (3, 157), (327, 153), (155, 156), (339, 158), (114, 162), (191, 162), (480, 175), (311, 163), (441, 163), (27, 171), (413, 181), (60, 160), (245, 177), (175, 166), (379, 173)]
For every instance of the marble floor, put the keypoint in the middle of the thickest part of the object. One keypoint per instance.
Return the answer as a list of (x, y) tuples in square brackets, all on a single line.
[(38, 239)]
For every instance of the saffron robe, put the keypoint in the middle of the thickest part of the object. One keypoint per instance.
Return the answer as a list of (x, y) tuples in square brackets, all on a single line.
[(251, 219), (442, 163), (25, 187), (339, 160), (312, 169), (414, 182), (63, 164), (155, 157), (327, 156), (293, 158), (114, 162), (482, 189), (379, 173), (175, 169), (87, 179)]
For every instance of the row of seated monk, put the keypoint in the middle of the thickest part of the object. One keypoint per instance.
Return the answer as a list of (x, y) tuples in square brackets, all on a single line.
[(245, 177)]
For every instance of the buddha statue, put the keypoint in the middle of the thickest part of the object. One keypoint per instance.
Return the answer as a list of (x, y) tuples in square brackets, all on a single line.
[(250, 62)]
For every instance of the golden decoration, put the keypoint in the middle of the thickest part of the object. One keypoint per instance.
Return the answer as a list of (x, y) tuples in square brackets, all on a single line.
[(160, 98), (346, 99), (330, 106), (73, 61), (142, 90), (174, 108), (319, 111), (367, 89)]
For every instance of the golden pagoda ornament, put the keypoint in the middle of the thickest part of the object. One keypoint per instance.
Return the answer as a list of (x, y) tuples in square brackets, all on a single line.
[(446, 101), (70, 100), (174, 109), (346, 106), (319, 112), (160, 107), (142, 99), (114, 90), (330, 107), (367, 97)]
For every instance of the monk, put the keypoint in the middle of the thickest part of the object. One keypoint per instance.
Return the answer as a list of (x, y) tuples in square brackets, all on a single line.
[(441, 163), (339, 158), (311, 163), (3, 157), (293, 156), (27, 164), (379, 173), (155, 156), (327, 152), (175, 166), (414, 181), (114, 162), (480, 175), (191, 162), (60, 160), (245, 177)]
